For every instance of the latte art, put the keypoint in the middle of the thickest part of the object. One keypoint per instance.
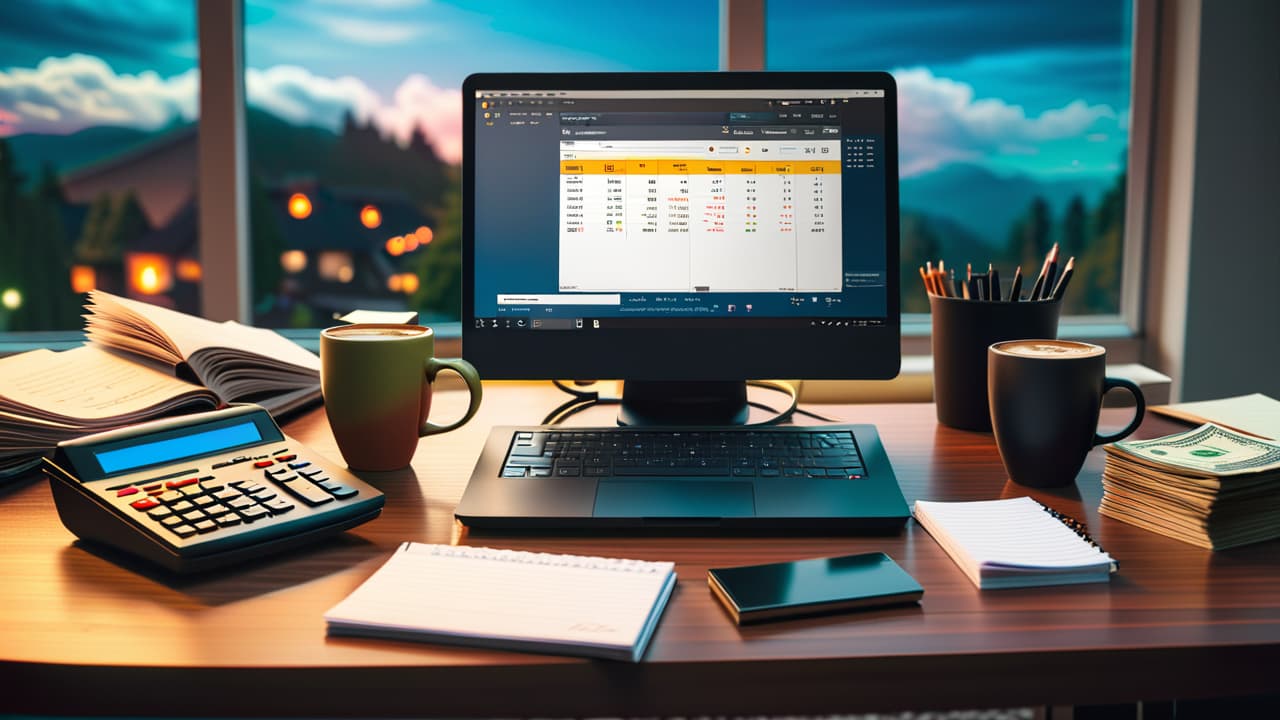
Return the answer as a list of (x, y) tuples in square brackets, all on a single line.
[(1049, 349), (376, 333)]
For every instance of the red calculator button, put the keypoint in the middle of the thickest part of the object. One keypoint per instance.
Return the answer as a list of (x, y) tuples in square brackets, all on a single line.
[(264, 463), (152, 488), (180, 483), (144, 504), (126, 491), (286, 458)]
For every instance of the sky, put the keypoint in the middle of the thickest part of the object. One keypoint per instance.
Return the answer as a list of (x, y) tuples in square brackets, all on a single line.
[(1018, 87)]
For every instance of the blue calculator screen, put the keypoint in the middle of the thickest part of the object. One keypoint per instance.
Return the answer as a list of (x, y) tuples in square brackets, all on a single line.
[(193, 445)]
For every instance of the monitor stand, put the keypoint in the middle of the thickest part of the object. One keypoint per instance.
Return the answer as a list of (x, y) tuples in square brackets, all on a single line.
[(713, 402)]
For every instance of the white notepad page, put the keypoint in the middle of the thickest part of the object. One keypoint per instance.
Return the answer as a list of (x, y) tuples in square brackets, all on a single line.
[(512, 599), (1011, 537)]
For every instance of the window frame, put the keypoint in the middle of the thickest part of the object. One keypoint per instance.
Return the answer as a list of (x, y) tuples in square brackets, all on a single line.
[(223, 177)]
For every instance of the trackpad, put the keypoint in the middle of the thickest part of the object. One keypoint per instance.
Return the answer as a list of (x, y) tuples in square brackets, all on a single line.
[(674, 498)]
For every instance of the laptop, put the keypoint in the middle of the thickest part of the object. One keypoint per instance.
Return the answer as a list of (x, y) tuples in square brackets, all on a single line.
[(670, 229)]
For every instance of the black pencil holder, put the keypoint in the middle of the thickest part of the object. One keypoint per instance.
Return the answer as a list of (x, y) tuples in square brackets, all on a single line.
[(962, 332)]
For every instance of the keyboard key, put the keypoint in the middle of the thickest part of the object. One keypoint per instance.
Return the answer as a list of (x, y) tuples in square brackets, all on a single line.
[(157, 513), (308, 493), (205, 526), (194, 516), (183, 531)]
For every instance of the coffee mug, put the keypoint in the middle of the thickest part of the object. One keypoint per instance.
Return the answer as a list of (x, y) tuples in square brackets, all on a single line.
[(1045, 398), (376, 381)]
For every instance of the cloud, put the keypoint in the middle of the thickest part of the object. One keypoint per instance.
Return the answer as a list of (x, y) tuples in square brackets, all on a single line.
[(940, 122), (369, 32), (62, 95), (303, 98)]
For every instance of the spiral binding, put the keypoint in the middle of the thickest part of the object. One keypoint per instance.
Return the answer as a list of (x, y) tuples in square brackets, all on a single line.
[(1074, 525), (550, 559)]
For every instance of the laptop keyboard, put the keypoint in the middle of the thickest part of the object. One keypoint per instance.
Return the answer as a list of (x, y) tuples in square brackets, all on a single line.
[(807, 452)]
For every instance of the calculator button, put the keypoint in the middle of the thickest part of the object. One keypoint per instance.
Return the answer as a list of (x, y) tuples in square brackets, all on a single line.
[(172, 520), (228, 520), (276, 472), (254, 513), (217, 509), (311, 473), (250, 487), (192, 490), (310, 494), (241, 503), (227, 494), (153, 487), (299, 465), (342, 492), (173, 484), (144, 504), (159, 512), (122, 492), (205, 526), (204, 500), (183, 530), (170, 496), (263, 493), (180, 507), (279, 506), (264, 463), (286, 458), (194, 516)]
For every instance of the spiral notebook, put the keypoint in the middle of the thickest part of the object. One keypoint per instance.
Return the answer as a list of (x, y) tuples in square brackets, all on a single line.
[(537, 602), (1016, 542)]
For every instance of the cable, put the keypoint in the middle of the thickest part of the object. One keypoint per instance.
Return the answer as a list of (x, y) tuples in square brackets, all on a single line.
[(583, 399)]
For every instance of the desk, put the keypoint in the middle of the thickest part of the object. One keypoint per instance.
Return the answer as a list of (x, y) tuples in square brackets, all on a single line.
[(82, 635)]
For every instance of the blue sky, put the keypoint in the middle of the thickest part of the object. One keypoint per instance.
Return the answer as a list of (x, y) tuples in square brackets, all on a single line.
[(1039, 87)]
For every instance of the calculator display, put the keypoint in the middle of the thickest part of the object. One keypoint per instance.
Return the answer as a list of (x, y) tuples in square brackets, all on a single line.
[(195, 444)]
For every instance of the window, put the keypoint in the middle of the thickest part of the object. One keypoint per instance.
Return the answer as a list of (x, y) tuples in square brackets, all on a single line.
[(1014, 127), (98, 110), (354, 131)]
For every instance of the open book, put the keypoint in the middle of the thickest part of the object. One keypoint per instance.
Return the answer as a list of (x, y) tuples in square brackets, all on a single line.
[(538, 602), (141, 362), (1016, 542)]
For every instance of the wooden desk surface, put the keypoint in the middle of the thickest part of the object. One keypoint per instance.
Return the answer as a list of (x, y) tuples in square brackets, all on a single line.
[(80, 634)]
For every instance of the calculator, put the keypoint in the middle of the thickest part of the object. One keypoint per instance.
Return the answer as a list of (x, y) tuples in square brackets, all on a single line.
[(201, 491)]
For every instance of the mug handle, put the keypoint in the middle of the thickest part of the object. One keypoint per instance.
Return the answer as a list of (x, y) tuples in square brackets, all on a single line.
[(472, 378), (1139, 401)]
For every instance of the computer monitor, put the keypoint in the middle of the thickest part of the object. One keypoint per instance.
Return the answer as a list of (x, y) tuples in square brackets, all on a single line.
[(683, 232)]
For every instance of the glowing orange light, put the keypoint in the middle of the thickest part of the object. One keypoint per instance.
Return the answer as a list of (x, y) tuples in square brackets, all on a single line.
[(370, 216), (299, 206), (395, 282), (345, 274), (190, 270), (395, 246), (150, 273), (83, 278), (293, 261), (409, 283), (424, 235)]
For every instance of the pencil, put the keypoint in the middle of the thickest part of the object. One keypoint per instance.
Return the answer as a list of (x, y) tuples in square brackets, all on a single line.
[(1051, 269), (927, 287), (1038, 287), (995, 283), (1061, 288), (1015, 289)]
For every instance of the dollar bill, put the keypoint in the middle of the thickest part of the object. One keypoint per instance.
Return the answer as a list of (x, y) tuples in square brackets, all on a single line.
[(1209, 449)]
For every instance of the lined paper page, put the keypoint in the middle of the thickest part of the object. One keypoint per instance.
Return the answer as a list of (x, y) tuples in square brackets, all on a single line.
[(1015, 532), (501, 595)]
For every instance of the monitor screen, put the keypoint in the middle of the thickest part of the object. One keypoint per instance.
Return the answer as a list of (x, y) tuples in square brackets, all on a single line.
[(681, 227)]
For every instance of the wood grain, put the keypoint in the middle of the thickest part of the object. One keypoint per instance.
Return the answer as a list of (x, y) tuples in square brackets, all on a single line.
[(81, 632)]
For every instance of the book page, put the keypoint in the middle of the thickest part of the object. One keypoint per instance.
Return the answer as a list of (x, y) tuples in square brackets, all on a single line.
[(84, 383), (461, 592), (187, 333)]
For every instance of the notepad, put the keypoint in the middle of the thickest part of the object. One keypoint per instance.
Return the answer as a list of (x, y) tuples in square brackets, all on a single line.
[(537, 602), (1016, 542)]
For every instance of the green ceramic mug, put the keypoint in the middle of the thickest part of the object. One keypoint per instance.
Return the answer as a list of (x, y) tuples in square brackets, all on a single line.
[(377, 383)]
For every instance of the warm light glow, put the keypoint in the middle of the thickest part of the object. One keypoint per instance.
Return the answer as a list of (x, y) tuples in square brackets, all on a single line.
[(394, 282), (299, 206), (83, 278), (150, 273), (190, 270), (395, 246), (293, 261), (334, 264), (11, 299), (370, 216), (424, 235), (409, 283)]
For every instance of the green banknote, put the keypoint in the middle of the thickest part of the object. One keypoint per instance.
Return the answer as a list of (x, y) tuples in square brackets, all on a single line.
[(1207, 449)]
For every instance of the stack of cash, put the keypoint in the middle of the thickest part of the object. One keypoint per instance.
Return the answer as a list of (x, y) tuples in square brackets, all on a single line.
[(1210, 486)]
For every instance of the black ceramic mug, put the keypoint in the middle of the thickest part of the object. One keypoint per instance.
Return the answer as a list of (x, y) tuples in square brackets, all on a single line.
[(1045, 397)]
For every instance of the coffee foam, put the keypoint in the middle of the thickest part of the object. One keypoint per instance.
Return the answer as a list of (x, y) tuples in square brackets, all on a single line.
[(1049, 349), (375, 333)]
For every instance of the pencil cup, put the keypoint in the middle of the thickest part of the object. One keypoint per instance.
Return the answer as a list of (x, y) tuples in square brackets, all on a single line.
[(962, 331)]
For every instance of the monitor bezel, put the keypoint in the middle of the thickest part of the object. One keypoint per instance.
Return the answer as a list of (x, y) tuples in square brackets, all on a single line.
[(698, 353)]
